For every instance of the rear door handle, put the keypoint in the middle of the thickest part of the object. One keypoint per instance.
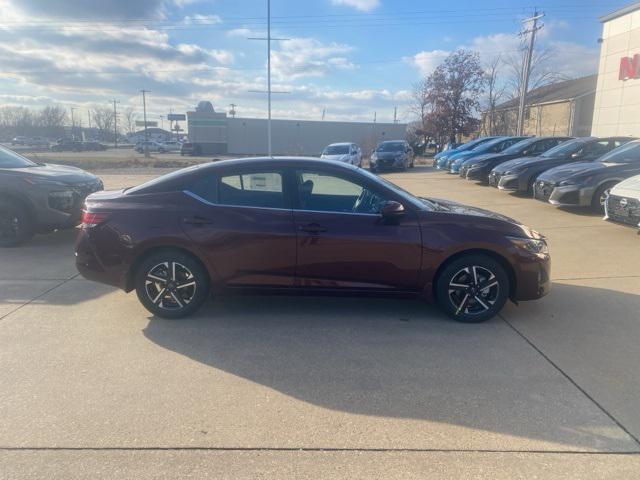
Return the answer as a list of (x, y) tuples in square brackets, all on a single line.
[(197, 220), (313, 228)]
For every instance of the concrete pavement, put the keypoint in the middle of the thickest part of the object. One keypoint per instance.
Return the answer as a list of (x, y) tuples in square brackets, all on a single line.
[(334, 388)]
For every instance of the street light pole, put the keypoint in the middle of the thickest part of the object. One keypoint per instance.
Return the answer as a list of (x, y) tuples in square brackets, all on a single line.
[(115, 122), (526, 70), (73, 124), (146, 134)]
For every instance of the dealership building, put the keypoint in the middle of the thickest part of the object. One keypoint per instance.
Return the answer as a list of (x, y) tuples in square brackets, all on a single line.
[(216, 133), (617, 101)]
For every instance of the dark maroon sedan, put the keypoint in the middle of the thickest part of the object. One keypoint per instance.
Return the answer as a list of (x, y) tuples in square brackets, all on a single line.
[(300, 225)]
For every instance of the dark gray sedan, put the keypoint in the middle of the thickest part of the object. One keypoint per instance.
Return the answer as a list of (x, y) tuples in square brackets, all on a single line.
[(37, 197), (587, 184)]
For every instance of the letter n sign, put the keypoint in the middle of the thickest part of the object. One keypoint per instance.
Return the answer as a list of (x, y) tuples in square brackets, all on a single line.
[(630, 67)]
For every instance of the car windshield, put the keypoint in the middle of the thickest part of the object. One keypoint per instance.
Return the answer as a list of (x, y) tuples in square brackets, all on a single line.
[(626, 153), (10, 159), (518, 147), (472, 144), (566, 148), (390, 147), (336, 150), (486, 146)]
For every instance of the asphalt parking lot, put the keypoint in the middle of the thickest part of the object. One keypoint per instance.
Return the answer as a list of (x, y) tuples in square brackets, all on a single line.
[(91, 386)]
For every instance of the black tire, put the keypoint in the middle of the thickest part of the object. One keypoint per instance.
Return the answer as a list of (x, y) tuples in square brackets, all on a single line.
[(413, 162), (170, 295), (16, 224), (599, 197), (468, 302)]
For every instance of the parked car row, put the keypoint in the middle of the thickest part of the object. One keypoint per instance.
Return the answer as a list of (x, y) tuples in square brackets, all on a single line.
[(388, 155), (158, 147), (563, 171), (70, 145)]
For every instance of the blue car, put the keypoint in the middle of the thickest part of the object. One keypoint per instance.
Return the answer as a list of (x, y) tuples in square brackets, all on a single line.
[(439, 161), (494, 146)]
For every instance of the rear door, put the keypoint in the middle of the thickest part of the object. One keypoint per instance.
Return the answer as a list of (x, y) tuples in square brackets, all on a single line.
[(343, 241), (242, 222)]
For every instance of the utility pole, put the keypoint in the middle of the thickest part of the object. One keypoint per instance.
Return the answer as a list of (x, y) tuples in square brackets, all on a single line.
[(232, 112), (115, 122), (162, 121), (269, 91), (323, 112), (526, 70), (89, 118), (146, 134), (73, 124), (395, 114)]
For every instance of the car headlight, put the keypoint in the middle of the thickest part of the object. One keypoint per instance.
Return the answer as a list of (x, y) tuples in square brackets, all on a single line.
[(62, 200), (475, 166), (566, 183), (531, 245), (508, 172)]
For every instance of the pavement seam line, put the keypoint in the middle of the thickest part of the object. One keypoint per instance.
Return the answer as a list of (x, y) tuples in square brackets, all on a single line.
[(571, 380), (3, 317), (322, 449)]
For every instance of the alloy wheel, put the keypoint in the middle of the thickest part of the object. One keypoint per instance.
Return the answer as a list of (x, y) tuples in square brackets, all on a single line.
[(9, 226), (473, 290), (170, 285)]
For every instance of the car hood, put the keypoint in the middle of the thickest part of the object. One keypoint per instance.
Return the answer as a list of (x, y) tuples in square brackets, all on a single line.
[(336, 158), (58, 173), (565, 171), (448, 206), (628, 188), (483, 158)]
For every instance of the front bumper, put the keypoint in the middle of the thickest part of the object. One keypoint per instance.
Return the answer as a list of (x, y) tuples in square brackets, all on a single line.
[(533, 277), (388, 164), (509, 182), (623, 210), (571, 196), (479, 174)]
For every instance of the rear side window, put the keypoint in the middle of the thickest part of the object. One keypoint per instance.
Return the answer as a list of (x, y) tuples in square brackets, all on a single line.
[(252, 190)]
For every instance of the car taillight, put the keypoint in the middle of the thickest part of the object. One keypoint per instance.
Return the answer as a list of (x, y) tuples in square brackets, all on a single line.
[(92, 219)]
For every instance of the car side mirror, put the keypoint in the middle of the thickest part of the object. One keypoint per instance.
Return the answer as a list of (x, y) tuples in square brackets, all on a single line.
[(392, 209)]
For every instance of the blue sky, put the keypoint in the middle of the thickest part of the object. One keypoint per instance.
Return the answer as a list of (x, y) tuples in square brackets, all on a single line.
[(349, 57)]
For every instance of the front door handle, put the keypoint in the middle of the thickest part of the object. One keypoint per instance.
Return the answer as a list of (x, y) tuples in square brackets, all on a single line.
[(197, 220), (313, 228)]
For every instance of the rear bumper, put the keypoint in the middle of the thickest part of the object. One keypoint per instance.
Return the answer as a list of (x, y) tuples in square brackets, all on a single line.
[(92, 267)]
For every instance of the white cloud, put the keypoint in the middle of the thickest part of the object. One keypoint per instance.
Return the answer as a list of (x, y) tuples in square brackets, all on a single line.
[(202, 19), (363, 5), (306, 57), (427, 61)]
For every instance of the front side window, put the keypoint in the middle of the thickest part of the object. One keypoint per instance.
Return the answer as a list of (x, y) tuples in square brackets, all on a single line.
[(252, 190), (329, 193)]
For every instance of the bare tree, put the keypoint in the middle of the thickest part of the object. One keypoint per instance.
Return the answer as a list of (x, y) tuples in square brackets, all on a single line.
[(129, 123), (542, 70), (421, 106), (495, 91), (103, 120)]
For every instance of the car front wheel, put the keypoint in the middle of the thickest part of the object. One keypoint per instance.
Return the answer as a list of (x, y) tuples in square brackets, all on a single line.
[(171, 284), (16, 225), (472, 288)]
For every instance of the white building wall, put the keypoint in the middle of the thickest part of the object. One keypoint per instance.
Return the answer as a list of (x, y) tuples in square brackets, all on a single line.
[(617, 104), (248, 136)]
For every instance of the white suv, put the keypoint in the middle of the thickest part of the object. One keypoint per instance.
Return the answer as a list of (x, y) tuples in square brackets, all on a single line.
[(343, 152)]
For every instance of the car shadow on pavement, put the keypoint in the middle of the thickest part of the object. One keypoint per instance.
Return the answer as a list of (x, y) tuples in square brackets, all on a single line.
[(400, 359)]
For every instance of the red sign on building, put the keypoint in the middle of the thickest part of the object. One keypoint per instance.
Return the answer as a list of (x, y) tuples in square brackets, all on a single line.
[(630, 67)]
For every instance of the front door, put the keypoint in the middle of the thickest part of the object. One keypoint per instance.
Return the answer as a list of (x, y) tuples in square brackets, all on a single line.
[(343, 241), (242, 222)]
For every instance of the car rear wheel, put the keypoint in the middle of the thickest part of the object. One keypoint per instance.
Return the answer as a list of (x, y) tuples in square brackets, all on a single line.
[(600, 197), (472, 288), (171, 284), (16, 224)]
